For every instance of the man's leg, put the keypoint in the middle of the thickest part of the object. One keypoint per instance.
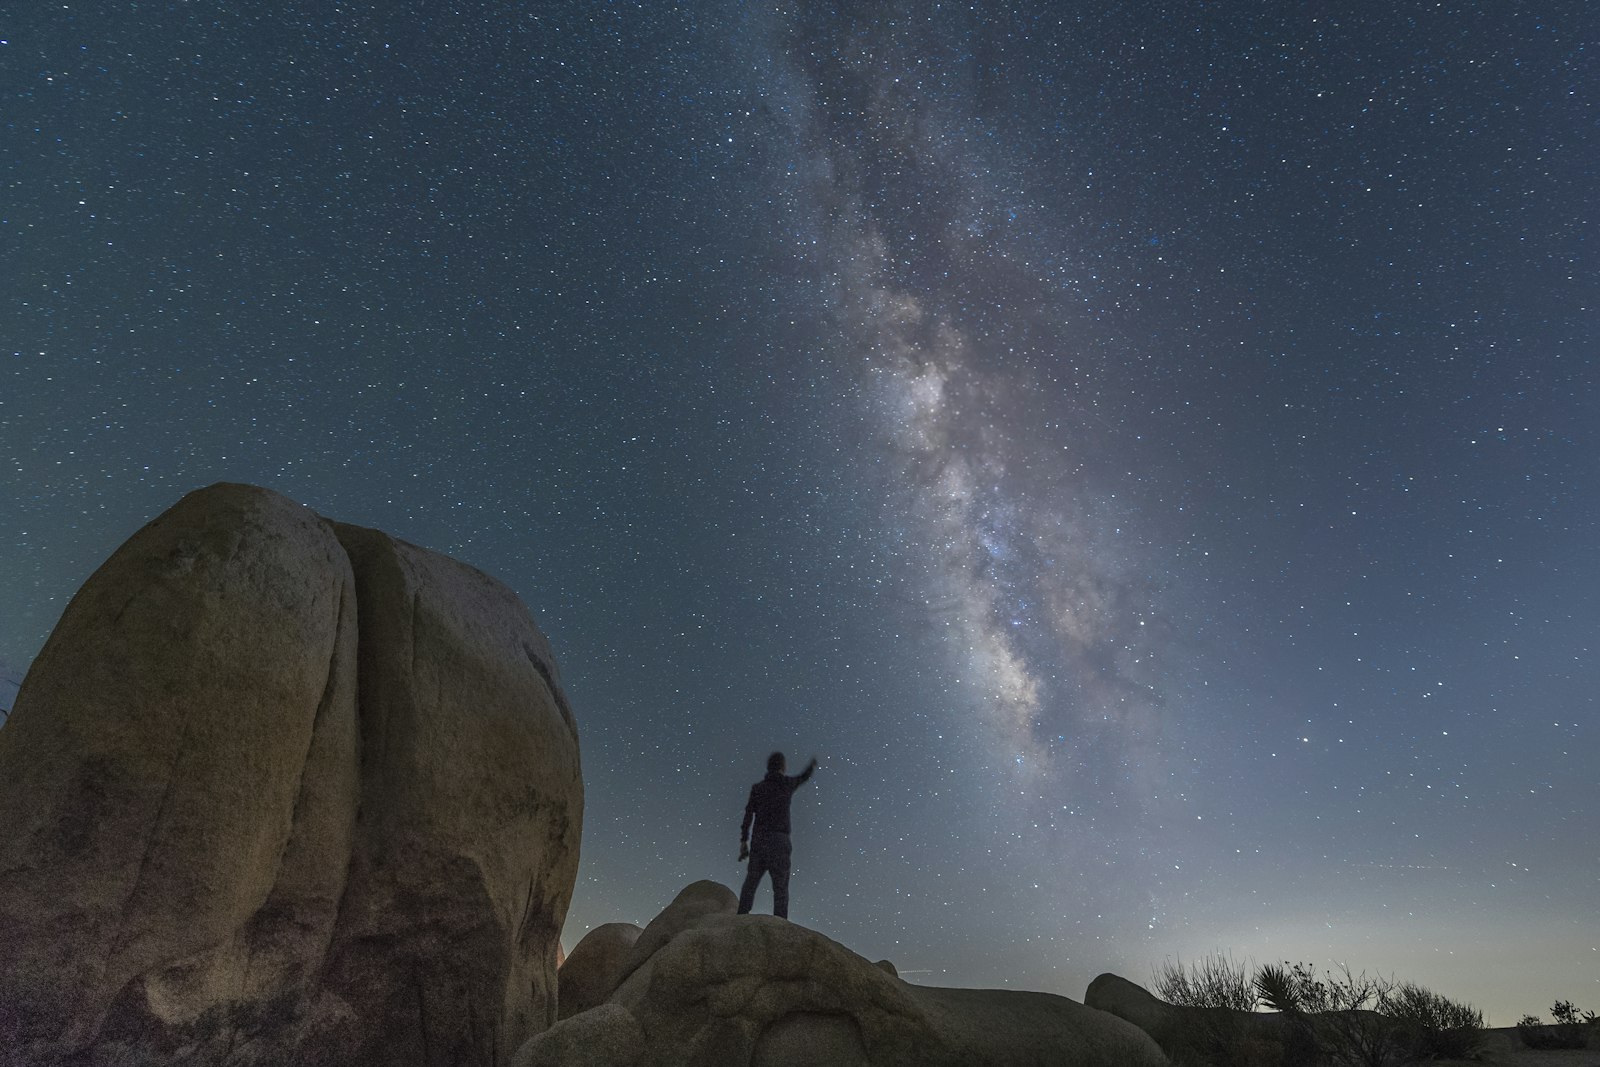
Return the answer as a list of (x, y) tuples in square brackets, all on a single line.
[(778, 864), (752, 879)]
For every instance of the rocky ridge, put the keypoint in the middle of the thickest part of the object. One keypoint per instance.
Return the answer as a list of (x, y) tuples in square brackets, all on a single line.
[(703, 986)]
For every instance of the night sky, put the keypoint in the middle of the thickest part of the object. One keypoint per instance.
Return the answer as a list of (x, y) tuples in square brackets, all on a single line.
[(1148, 451)]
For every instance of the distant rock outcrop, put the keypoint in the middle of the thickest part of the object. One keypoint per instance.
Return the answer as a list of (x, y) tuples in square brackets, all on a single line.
[(1133, 1002), (724, 990), (1206, 1034), (279, 791)]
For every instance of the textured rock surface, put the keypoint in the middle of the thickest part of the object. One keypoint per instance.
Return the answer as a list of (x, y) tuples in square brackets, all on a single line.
[(178, 779), (606, 1036), (471, 804), (809, 1039), (693, 903), (183, 873), (595, 967), (728, 990), (710, 993)]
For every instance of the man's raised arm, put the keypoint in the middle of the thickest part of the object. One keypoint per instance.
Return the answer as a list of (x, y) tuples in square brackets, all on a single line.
[(811, 768)]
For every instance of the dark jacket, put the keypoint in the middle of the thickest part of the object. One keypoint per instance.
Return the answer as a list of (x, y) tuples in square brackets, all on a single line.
[(769, 802)]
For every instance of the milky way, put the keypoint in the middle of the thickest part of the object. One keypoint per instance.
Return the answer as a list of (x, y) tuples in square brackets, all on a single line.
[(1049, 630)]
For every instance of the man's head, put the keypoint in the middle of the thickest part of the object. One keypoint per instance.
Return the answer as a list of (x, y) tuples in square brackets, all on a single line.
[(775, 763)]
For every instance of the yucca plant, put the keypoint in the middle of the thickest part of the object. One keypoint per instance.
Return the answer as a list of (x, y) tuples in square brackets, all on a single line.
[(1292, 987), (1331, 1018)]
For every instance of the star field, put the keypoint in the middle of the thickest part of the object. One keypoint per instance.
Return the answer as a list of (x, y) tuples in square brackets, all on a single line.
[(1146, 451)]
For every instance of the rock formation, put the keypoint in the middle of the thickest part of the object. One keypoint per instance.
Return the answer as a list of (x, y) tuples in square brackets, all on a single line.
[(724, 990), (595, 967), (1130, 1001), (696, 901), (282, 791), (467, 849), (1203, 1034)]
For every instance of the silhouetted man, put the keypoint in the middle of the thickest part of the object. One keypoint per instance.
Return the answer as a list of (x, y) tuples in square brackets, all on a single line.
[(768, 851)]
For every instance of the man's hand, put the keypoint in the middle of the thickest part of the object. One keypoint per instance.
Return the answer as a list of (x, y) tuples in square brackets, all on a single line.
[(744, 851)]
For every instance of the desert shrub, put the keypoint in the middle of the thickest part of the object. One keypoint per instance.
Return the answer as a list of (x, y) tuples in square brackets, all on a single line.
[(1333, 1017), (1431, 1026), (1573, 1026), (1336, 1018), (1535, 1034), (1216, 981), (1215, 988), (1217, 994), (1570, 1030), (1366, 1021)]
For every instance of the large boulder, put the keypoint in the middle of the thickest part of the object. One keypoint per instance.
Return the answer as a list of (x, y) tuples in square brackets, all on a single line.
[(595, 967), (696, 901), (1009, 1028), (178, 782), (709, 995), (471, 806), (604, 1036), (215, 765), (1133, 1002), (757, 991)]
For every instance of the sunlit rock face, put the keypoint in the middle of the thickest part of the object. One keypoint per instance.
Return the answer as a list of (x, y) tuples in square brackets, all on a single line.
[(471, 806), (283, 791)]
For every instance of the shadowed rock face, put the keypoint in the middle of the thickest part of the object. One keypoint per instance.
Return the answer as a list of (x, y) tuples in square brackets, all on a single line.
[(278, 791), (595, 967), (724, 990), (696, 901), (604, 1036), (1130, 1001)]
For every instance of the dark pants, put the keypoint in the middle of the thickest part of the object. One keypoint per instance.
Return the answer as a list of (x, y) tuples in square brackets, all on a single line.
[(769, 854)]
